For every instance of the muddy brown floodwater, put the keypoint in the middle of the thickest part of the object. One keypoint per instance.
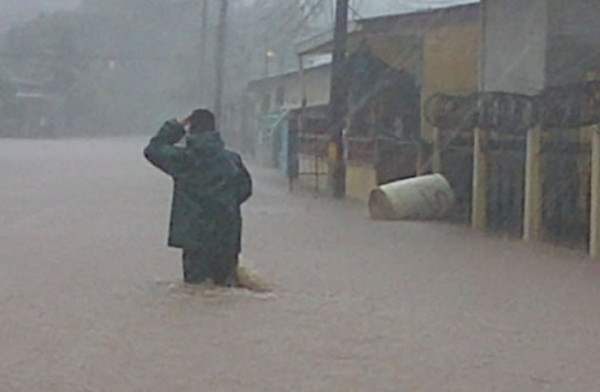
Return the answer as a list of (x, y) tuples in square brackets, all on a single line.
[(91, 299)]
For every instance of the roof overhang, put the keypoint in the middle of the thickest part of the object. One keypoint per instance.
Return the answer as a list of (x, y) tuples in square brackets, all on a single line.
[(257, 84), (412, 25)]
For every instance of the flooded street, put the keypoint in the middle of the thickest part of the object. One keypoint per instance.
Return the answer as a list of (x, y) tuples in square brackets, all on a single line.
[(91, 299)]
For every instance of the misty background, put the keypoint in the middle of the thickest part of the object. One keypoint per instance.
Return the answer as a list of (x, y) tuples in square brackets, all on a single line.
[(109, 67)]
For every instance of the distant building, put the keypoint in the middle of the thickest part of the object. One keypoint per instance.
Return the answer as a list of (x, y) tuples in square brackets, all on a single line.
[(396, 63), (267, 100)]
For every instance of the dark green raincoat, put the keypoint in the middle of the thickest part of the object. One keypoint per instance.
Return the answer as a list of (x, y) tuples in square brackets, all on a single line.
[(210, 184)]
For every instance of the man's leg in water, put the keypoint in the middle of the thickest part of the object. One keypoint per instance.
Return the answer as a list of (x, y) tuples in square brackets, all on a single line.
[(224, 269), (196, 267)]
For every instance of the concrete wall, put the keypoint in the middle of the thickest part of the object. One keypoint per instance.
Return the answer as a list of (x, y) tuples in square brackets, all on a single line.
[(451, 63), (537, 43), (514, 45), (361, 179), (573, 40), (317, 89), (403, 53)]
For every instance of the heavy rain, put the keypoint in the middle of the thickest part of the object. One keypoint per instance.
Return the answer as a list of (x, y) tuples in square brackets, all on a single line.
[(299, 195)]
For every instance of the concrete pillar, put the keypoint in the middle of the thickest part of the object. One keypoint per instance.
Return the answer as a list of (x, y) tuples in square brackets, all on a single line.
[(479, 208), (421, 159), (436, 157), (532, 225), (595, 196)]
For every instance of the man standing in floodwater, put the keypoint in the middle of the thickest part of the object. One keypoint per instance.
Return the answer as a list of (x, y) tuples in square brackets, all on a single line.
[(210, 184)]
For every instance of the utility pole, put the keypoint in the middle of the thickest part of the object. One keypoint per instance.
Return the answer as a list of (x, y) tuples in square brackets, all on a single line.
[(203, 42), (338, 103), (220, 59)]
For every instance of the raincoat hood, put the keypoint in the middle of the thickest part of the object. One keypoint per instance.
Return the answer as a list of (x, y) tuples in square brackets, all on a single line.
[(206, 144)]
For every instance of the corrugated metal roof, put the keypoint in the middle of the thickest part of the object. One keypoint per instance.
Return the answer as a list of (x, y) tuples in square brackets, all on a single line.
[(408, 22), (371, 9)]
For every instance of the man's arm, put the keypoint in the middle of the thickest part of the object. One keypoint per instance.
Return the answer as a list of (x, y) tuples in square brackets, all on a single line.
[(243, 179), (245, 183), (162, 152)]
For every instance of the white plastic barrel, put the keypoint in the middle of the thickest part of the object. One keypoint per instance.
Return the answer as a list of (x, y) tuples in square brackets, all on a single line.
[(424, 197)]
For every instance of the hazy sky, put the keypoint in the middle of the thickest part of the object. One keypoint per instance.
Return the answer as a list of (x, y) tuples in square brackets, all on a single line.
[(12, 11), (27, 8), (33, 6), (15, 11)]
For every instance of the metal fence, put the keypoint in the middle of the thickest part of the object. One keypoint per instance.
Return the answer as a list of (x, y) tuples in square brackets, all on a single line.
[(559, 112)]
